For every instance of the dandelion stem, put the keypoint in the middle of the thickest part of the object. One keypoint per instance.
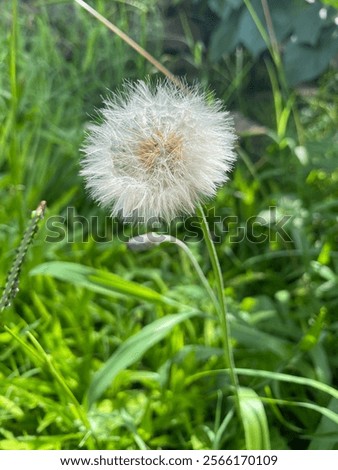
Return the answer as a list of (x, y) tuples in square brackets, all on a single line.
[(151, 239), (221, 307)]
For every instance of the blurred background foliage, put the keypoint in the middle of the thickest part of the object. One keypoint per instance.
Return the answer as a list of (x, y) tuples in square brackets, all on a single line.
[(56, 64)]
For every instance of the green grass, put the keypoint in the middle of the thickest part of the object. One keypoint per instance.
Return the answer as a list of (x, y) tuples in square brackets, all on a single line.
[(105, 348)]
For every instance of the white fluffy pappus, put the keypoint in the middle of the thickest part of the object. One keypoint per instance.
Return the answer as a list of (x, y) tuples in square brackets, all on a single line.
[(159, 150)]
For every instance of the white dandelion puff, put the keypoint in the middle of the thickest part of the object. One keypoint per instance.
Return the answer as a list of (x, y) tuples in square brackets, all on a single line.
[(159, 151)]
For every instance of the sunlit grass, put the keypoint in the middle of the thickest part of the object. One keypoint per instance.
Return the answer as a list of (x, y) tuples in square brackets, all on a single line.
[(81, 366)]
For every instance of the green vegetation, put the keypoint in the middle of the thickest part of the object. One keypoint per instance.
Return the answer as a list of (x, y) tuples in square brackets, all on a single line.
[(108, 348)]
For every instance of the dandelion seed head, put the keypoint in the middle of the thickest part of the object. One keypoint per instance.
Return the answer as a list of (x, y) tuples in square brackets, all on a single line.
[(158, 151)]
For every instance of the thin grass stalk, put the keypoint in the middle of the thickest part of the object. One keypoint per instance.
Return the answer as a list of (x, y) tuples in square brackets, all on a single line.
[(14, 154), (127, 39), (269, 39), (272, 34), (272, 45)]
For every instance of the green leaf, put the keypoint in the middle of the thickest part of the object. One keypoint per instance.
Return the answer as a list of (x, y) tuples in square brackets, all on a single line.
[(99, 281), (307, 24), (312, 335), (223, 8), (225, 36), (304, 63), (132, 350), (326, 435), (254, 420)]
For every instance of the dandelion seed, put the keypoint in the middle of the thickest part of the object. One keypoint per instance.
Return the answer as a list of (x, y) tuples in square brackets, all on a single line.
[(158, 152)]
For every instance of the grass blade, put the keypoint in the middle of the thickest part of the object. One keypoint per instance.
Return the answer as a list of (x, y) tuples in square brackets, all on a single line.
[(325, 412), (272, 376), (254, 420), (99, 281), (326, 436), (291, 379), (132, 350)]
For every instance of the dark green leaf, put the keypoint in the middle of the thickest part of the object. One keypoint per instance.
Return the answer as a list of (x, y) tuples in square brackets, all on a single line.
[(307, 24), (304, 63), (225, 37)]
